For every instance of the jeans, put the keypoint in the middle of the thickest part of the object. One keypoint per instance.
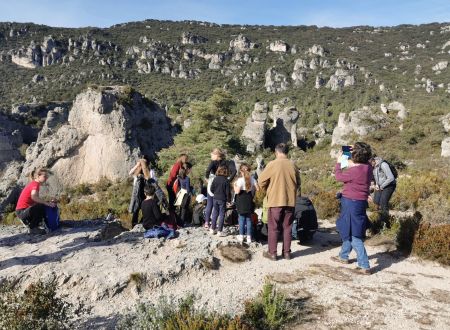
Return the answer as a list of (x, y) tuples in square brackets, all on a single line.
[(382, 198), (245, 219), (358, 245), (218, 210), (209, 208), (280, 219)]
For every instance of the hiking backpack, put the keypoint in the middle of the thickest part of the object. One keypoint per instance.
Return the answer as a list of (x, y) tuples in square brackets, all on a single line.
[(392, 168)]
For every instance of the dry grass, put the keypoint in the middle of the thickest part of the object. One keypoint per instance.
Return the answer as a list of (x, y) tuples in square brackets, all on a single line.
[(235, 253)]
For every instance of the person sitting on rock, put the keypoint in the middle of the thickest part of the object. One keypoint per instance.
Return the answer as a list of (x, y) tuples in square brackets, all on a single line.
[(30, 207), (151, 214)]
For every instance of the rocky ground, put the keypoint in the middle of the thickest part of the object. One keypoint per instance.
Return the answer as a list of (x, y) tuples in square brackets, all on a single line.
[(103, 276)]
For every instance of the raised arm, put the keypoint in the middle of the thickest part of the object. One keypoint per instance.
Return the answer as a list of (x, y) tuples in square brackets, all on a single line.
[(340, 175)]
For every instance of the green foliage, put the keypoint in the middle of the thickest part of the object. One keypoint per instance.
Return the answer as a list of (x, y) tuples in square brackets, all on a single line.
[(432, 242), (326, 204), (38, 307)]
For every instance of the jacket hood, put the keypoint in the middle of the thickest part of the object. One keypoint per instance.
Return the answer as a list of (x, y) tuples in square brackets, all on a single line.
[(304, 201), (378, 161)]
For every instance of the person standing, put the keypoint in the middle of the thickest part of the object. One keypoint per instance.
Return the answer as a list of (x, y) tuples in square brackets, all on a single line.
[(30, 208), (353, 222), (217, 159), (385, 184), (220, 188), (244, 189), (141, 174), (280, 179), (182, 159)]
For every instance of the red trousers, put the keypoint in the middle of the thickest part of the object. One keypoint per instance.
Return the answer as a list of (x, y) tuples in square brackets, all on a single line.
[(280, 219)]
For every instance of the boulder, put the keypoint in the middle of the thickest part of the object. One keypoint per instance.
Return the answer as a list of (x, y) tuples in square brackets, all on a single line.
[(104, 133), (254, 129), (319, 82), (446, 122), (275, 81), (279, 46), (284, 129), (188, 38), (445, 146), (430, 86), (241, 43), (440, 66), (316, 50), (360, 122)]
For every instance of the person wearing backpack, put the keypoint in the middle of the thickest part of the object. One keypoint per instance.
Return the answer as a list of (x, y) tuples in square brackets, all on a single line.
[(217, 159), (244, 189), (305, 219), (385, 178), (220, 187)]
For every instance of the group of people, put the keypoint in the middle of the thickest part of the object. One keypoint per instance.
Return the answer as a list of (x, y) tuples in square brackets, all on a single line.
[(280, 180)]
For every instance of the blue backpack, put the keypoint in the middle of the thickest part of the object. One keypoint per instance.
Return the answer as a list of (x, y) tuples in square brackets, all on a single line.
[(160, 231), (52, 218)]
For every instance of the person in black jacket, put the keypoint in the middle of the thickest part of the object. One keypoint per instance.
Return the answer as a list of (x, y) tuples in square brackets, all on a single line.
[(220, 187), (217, 159), (305, 219), (151, 214)]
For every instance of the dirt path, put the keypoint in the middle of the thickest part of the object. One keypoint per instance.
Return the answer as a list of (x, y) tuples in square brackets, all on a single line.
[(403, 293)]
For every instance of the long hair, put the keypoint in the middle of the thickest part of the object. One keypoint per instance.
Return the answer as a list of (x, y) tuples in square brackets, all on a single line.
[(36, 172), (182, 173), (245, 170), (182, 158), (219, 153)]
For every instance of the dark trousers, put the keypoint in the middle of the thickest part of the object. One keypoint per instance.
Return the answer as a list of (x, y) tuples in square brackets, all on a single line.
[(209, 207), (171, 195), (135, 218), (280, 219), (382, 198), (219, 208), (32, 216), (184, 210)]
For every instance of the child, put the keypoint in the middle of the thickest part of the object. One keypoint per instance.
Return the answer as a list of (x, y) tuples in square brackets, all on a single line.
[(220, 187), (184, 183), (245, 188), (151, 215)]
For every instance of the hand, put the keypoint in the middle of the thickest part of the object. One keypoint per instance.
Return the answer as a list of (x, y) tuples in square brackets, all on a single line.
[(377, 187), (51, 204), (370, 199)]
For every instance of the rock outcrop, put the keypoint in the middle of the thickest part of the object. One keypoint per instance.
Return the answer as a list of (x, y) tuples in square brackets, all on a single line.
[(445, 145), (188, 38), (279, 46), (402, 113), (102, 135), (254, 129), (316, 50), (284, 129), (275, 81), (35, 55), (360, 122), (241, 43)]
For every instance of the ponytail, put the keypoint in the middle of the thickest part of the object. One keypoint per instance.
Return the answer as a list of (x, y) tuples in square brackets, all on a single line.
[(245, 169)]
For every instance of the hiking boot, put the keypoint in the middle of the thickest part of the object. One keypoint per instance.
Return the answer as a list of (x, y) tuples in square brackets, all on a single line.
[(212, 231), (269, 256), (362, 271), (221, 234), (287, 256), (240, 238), (339, 259), (249, 239)]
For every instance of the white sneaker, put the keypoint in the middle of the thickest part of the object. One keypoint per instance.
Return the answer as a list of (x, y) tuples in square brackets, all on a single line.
[(240, 238), (212, 231), (249, 239), (221, 234)]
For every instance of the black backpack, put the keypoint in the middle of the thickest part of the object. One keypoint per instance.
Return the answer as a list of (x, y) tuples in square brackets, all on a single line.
[(392, 168)]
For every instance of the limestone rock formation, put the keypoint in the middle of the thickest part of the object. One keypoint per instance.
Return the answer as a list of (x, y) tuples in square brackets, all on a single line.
[(446, 122), (430, 86), (105, 131), (316, 50), (402, 113), (284, 129), (360, 122), (279, 46), (319, 82), (35, 55), (275, 81), (254, 129), (445, 145), (241, 43), (440, 66), (188, 38), (341, 78)]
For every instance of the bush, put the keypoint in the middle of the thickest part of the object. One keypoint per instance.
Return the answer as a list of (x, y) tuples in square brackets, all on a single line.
[(37, 308), (436, 209), (406, 231), (432, 242), (268, 311), (326, 204)]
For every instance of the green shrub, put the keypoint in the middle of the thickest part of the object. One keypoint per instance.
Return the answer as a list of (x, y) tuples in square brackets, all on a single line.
[(37, 307), (326, 204), (432, 242)]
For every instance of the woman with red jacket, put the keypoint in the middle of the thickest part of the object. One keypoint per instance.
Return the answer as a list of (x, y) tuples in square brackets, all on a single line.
[(182, 159)]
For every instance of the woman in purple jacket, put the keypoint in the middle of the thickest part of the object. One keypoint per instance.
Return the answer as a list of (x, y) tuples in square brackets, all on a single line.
[(353, 222)]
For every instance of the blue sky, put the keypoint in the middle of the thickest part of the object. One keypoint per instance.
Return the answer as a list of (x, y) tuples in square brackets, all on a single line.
[(334, 13)]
